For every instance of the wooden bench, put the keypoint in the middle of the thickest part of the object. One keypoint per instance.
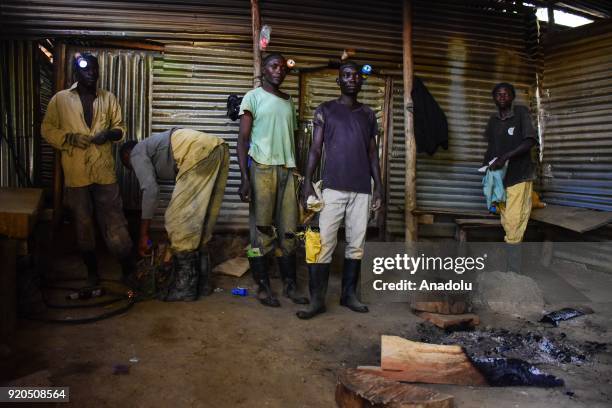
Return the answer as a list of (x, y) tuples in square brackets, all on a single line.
[(463, 224), (19, 211)]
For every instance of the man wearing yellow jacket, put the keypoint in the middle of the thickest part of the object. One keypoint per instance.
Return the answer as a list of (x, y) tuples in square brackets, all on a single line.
[(199, 164), (82, 123)]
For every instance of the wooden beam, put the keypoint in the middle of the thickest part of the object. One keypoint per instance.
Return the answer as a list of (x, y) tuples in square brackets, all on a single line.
[(387, 138), (551, 17), (129, 44), (411, 224), (256, 25), (59, 79)]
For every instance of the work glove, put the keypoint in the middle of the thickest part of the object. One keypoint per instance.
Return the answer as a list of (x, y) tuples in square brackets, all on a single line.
[(78, 140)]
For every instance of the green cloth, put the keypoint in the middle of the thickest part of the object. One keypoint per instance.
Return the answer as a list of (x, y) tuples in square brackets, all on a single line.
[(274, 122)]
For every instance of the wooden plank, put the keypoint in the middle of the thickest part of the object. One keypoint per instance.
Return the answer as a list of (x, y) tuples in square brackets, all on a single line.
[(428, 363), (361, 389), (445, 321), (451, 212), (426, 219), (478, 222), (233, 267), (19, 209), (572, 218)]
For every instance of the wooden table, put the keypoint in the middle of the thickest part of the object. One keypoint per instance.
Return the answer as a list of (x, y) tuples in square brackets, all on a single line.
[(19, 209)]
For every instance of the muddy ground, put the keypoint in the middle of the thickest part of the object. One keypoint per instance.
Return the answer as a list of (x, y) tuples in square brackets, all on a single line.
[(228, 351)]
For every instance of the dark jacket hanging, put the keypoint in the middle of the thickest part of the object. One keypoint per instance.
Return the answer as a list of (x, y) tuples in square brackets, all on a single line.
[(430, 125)]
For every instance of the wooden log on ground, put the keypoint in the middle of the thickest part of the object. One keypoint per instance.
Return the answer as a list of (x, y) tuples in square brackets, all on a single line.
[(357, 389), (428, 363), (448, 307), (445, 321)]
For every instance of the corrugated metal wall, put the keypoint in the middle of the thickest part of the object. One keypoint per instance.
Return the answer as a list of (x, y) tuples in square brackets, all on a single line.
[(191, 79), (190, 89), (577, 104), (19, 104), (460, 52), (314, 31), (152, 19)]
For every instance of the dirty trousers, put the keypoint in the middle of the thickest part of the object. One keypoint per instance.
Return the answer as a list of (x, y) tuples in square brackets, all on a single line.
[(516, 211), (196, 201), (109, 213), (273, 210), (354, 209)]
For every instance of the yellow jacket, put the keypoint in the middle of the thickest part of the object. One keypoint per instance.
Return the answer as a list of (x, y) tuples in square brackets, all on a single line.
[(95, 164)]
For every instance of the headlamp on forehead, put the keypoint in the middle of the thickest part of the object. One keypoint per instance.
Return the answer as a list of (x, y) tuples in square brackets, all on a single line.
[(82, 62), (366, 69), (290, 63)]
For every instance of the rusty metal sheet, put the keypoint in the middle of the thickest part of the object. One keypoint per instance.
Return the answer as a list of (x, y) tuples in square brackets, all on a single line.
[(577, 89)]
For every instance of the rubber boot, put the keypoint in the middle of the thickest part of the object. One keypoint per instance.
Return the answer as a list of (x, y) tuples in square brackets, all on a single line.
[(286, 267), (350, 277), (318, 277), (259, 270), (128, 269), (185, 285), (204, 284), (91, 262), (514, 258)]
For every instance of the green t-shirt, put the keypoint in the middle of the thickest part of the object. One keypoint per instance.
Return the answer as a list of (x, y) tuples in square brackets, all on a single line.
[(274, 121)]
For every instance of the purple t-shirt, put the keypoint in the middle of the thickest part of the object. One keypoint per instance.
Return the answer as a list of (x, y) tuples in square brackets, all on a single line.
[(346, 137)]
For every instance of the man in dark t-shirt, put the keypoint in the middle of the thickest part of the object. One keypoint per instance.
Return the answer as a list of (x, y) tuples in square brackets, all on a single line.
[(348, 130), (510, 136)]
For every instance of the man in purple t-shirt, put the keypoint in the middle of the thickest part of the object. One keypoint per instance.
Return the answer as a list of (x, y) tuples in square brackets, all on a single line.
[(348, 130)]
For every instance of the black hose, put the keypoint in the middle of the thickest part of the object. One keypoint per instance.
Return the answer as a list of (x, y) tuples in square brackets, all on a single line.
[(129, 296)]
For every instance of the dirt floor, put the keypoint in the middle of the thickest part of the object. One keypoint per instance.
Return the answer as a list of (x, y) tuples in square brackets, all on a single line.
[(229, 351)]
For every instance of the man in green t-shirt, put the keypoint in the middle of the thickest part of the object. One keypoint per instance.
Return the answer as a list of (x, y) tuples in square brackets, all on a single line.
[(266, 155)]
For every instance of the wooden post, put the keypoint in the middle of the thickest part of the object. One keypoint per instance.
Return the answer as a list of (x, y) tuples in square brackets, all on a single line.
[(386, 141), (59, 79), (410, 183), (256, 24), (551, 17)]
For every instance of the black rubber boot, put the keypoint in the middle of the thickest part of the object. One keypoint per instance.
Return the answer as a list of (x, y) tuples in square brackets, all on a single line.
[(259, 270), (318, 277), (514, 258), (128, 269), (286, 267), (204, 284), (350, 277), (186, 274), (91, 262)]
